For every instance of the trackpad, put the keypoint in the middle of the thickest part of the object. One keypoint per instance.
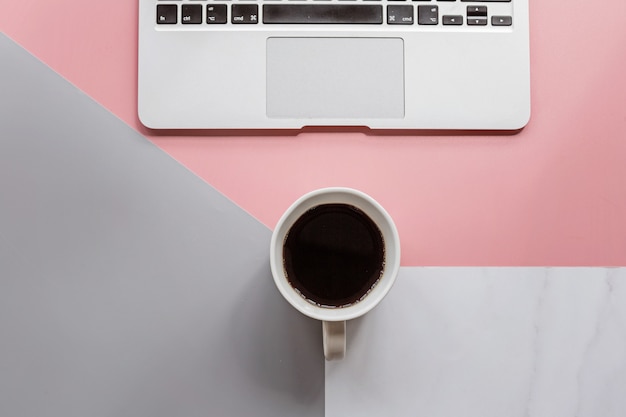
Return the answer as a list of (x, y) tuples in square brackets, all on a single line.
[(335, 78)]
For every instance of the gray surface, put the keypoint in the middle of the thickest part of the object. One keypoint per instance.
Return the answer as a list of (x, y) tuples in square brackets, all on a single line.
[(129, 287)]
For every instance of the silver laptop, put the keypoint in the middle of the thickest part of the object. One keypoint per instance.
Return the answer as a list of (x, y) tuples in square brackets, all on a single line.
[(383, 64)]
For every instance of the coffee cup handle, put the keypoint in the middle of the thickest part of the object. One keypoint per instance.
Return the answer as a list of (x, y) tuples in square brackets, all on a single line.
[(334, 338)]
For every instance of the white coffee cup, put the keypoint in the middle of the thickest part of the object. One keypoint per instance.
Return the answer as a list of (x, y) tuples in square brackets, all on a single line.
[(334, 318)]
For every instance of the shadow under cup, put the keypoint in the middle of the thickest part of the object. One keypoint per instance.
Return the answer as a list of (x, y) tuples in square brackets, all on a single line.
[(335, 254)]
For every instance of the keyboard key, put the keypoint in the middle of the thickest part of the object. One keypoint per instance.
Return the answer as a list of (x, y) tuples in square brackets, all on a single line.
[(452, 20), (428, 15), (191, 13), (400, 15), (477, 11), (477, 21), (245, 13), (216, 13), (326, 13), (489, 1), (501, 20), (167, 14)]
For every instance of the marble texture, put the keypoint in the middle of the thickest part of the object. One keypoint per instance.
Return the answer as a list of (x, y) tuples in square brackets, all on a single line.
[(488, 342)]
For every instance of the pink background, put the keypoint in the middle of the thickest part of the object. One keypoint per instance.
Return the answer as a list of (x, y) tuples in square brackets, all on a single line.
[(554, 194)]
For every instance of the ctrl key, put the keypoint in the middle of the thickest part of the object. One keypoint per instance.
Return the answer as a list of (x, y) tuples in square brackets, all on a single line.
[(167, 14)]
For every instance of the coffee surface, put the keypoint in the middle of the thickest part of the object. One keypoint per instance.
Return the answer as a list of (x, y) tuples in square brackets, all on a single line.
[(333, 255)]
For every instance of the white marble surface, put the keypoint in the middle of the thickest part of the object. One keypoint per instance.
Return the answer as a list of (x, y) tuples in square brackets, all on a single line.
[(488, 342)]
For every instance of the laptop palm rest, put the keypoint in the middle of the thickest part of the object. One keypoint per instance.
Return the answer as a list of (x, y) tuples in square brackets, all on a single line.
[(327, 78)]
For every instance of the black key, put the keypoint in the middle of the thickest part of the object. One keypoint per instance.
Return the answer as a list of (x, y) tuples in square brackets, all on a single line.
[(167, 14), (428, 15), (400, 15), (326, 13), (452, 20), (501, 20), (191, 13), (245, 13), (477, 21), (477, 11), (216, 13)]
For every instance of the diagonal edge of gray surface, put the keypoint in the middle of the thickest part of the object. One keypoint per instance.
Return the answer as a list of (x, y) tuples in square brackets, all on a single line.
[(128, 286)]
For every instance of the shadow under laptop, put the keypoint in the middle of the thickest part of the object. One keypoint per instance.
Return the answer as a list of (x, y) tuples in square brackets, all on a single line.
[(291, 133)]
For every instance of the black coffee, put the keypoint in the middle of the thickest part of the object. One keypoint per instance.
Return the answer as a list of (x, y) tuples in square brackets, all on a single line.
[(334, 254)]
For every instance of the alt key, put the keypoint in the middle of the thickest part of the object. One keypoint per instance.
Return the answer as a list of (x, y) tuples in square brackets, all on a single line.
[(216, 13)]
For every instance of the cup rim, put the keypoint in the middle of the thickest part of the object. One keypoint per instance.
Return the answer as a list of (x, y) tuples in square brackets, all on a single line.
[(390, 236)]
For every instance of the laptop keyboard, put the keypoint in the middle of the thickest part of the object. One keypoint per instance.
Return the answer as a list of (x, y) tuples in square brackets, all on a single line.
[(419, 13)]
